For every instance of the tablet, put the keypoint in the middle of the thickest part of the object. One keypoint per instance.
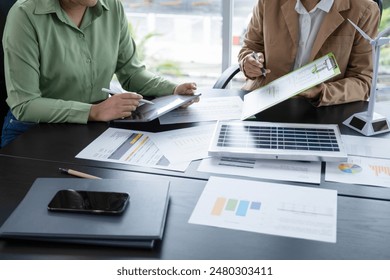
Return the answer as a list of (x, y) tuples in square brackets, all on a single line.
[(161, 106)]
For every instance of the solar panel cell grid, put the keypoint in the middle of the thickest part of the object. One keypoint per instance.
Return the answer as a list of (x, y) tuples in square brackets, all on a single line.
[(285, 138)]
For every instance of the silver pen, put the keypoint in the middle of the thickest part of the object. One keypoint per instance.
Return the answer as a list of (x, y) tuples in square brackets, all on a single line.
[(263, 71), (114, 92)]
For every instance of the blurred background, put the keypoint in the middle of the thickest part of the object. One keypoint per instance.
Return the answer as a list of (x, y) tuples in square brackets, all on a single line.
[(191, 40)]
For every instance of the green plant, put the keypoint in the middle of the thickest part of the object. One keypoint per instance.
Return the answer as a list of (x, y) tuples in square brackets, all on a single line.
[(385, 56), (385, 20), (166, 67), (169, 68), (385, 50), (386, 4)]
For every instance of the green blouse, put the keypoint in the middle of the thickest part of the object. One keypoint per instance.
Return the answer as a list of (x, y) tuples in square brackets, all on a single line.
[(55, 70)]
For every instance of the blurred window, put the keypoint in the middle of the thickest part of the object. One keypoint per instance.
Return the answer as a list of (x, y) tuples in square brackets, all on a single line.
[(182, 39)]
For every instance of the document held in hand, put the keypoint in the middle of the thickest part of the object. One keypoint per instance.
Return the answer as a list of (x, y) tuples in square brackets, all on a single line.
[(289, 85)]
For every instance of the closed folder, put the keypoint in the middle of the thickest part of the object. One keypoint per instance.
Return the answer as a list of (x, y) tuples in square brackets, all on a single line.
[(140, 225)]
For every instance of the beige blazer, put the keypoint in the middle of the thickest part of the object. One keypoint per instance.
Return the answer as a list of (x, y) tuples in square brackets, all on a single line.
[(273, 30)]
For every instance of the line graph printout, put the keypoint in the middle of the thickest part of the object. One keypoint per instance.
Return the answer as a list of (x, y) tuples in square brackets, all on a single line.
[(129, 147), (366, 146), (289, 85), (185, 144), (293, 171), (360, 170), (207, 109), (262, 207)]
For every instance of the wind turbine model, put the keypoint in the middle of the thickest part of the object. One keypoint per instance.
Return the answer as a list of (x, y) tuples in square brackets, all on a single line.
[(370, 123)]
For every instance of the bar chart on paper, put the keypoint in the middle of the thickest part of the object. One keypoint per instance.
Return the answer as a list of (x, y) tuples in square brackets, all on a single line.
[(233, 212), (234, 207), (268, 208), (129, 147), (360, 170), (379, 170)]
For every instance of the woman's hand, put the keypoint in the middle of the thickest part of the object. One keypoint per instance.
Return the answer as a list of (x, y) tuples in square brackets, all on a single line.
[(186, 89), (118, 106), (254, 65)]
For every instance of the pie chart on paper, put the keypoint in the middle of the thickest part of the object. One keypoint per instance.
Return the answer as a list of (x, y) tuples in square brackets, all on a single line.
[(350, 168)]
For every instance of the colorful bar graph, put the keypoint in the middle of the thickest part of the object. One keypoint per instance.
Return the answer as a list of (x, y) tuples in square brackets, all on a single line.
[(218, 206), (234, 206), (242, 208), (255, 205), (231, 205), (380, 169)]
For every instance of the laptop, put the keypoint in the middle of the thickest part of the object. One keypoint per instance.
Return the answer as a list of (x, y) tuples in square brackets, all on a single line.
[(162, 105)]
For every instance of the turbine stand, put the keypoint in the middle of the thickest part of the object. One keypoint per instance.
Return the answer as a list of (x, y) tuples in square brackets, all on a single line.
[(368, 125)]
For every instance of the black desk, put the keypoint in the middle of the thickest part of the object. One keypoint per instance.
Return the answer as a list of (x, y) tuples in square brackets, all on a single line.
[(62, 142), (363, 226), (43, 141), (363, 211)]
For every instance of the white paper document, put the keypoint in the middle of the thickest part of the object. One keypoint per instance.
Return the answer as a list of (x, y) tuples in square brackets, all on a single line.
[(269, 208), (293, 171), (360, 170), (207, 109), (367, 146), (382, 108), (186, 144), (289, 85), (129, 147)]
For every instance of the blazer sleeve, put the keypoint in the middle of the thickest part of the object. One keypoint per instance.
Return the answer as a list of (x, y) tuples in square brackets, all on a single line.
[(254, 39)]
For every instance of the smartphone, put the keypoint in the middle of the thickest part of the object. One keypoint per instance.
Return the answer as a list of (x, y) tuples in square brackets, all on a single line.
[(93, 202)]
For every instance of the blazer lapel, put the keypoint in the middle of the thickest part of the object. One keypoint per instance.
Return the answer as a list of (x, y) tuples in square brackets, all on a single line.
[(331, 22), (292, 21)]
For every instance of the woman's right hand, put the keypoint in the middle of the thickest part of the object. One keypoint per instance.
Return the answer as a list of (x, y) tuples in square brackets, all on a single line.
[(253, 66), (118, 106)]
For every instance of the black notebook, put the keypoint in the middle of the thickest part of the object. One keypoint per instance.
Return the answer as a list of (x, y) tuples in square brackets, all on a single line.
[(140, 225)]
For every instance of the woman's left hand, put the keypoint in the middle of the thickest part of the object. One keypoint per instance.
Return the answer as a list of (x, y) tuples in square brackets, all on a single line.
[(186, 89)]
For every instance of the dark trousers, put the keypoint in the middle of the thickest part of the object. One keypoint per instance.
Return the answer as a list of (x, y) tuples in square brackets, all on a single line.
[(12, 128)]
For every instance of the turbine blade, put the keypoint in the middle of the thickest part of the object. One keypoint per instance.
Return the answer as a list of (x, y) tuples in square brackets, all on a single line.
[(361, 31), (384, 33)]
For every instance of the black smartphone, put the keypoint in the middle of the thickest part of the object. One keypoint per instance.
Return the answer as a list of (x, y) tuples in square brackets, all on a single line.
[(94, 202)]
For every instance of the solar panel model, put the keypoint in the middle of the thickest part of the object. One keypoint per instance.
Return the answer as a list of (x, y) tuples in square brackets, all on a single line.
[(287, 141)]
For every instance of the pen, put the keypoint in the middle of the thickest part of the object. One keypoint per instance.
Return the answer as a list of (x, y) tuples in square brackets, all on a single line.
[(78, 173), (255, 56), (114, 92)]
